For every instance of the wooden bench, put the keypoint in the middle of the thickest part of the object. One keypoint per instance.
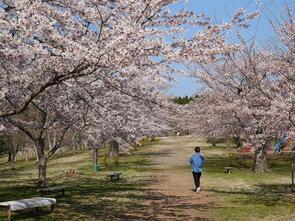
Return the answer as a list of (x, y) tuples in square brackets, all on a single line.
[(22, 204), (228, 169), (114, 176), (55, 189)]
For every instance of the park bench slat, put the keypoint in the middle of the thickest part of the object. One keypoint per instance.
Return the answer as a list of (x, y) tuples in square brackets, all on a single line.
[(28, 203), (54, 189), (22, 204)]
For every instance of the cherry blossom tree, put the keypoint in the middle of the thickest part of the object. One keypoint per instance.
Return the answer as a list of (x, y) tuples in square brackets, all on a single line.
[(34, 123), (94, 66), (97, 112), (119, 119), (44, 43), (253, 87)]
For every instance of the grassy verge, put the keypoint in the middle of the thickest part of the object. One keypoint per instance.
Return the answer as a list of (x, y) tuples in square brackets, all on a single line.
[(245, 195), (89, 195)]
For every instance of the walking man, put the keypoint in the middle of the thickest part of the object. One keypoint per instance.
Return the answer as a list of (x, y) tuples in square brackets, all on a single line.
[(197, 161)]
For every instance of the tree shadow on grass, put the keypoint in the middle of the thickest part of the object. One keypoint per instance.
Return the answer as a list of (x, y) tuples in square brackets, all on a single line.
[(271, 194), (218, 164), (123, 200), (264, 194), (158, 153), (90, 199), (94, 198), (43, 214), (13, 192), (5, 162)]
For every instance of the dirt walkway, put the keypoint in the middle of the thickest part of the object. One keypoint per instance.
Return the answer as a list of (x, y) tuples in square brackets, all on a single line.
[(173, 196)]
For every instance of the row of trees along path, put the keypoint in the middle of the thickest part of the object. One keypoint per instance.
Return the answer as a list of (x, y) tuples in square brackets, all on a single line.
[(88, 68)]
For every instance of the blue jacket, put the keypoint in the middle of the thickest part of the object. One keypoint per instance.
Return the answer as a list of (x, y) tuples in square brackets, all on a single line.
[(197, 161)]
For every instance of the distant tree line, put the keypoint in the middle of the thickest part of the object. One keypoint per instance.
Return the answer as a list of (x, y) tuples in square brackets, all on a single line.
[(184, 100)]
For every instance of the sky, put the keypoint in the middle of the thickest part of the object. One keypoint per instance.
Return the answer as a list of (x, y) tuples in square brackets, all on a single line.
[(222, 10)]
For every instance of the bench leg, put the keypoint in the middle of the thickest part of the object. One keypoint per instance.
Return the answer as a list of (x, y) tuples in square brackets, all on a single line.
[(9, 214), (52, 208), (63, 193)]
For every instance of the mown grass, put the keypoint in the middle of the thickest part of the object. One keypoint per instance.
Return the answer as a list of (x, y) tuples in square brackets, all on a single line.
[(242, 195), (245, 195), (89, 195)]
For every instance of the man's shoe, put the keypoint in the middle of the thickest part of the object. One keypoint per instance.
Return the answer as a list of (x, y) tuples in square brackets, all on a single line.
[(198, 190)]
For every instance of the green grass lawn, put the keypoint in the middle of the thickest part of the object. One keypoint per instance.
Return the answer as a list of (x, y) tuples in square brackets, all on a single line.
[(245, 195), (242, 195), (89, 195)]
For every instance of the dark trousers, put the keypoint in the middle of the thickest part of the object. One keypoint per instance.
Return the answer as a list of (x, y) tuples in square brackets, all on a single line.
[(197, 176)]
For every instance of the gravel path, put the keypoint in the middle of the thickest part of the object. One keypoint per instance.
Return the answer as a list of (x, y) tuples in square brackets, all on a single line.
[(172, 189)]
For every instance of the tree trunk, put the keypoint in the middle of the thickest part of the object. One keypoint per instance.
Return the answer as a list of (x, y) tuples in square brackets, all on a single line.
[(49, 142), (114, 149), (73, 145), (42, 162), (42, 168), (13, 159), (238, 142), (153, 138), (227, 143), (260, 159), (12, 155), (9, 155), (84, 145), (27, 154), (23, 153)]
